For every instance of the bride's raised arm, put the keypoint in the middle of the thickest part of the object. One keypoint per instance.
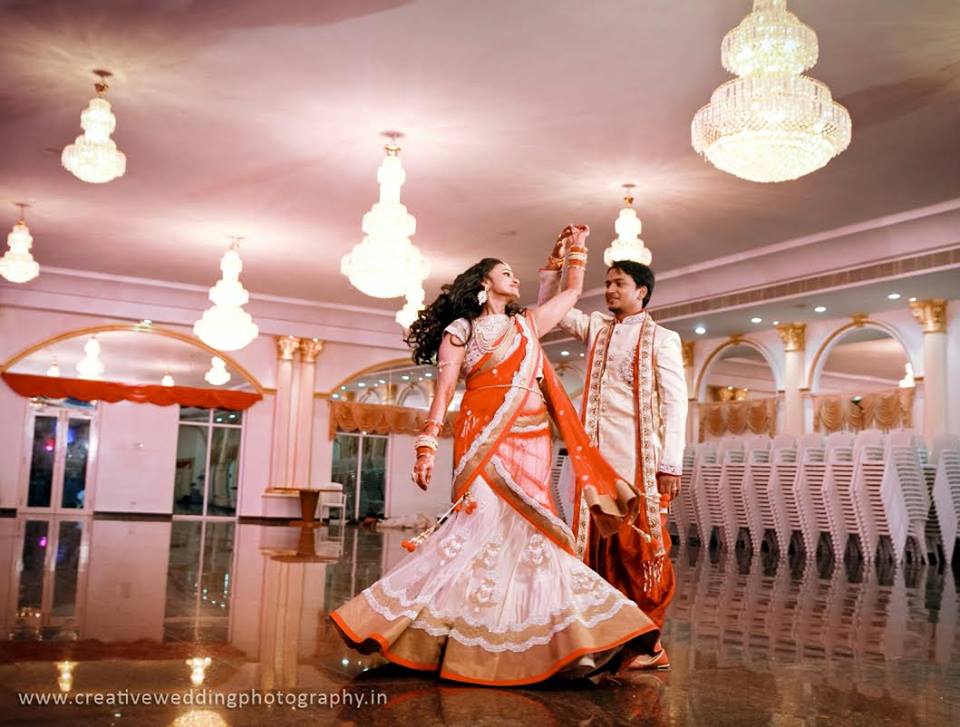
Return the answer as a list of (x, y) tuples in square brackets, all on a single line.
[(550, 313)]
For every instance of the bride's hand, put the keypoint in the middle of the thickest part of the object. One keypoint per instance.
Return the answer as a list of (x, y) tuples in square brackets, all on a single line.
[(578, 235), (423, 470)]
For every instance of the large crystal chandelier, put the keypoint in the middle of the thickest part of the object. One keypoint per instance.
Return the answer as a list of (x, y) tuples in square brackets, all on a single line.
[(17, 264), (93, 157), (628, 245), (218, 374), (772, 123), (386, 264), (225, 325), (90, 366)]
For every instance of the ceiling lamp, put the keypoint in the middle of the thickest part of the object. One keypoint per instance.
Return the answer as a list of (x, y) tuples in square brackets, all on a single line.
[(54, 370), (17, 264), (408, 314), (167, 380), (771, 124), (226, 325), (90, 366), (628, 245), (93, 157), (386, 264), (218, 374)]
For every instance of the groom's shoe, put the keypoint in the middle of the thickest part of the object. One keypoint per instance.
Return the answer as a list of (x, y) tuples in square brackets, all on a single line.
[(659, 661)]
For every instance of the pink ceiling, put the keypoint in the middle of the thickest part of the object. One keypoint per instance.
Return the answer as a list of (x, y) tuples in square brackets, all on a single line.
[(261, 119)]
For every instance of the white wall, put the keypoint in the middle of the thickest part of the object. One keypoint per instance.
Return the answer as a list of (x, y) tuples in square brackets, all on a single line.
[(953, 365), (136, 458), (127, 581), (13, 418)]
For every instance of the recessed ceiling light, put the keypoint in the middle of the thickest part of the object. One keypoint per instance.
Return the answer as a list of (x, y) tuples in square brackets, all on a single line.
[(820, 309), (699, 330), (146, 322), (428, 375), (564, 353), (382, 381), (405, 377), (335, 396), (756, 319), (362, 384), (913, 300), (582, 355), (776, 323), (343, 388), (894, 296)]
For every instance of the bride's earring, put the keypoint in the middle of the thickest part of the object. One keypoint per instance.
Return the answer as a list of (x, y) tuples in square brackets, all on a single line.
[(482, 296)]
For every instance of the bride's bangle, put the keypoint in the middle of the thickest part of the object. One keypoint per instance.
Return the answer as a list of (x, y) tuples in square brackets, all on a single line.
[(425, 440)]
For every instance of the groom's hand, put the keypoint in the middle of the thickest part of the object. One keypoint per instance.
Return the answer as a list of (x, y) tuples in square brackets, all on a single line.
[(668, 485)]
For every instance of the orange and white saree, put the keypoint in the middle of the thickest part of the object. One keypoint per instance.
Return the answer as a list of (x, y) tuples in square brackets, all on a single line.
[(497, 595)]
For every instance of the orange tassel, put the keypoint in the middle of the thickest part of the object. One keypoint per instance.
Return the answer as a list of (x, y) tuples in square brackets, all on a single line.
[(408, 545)]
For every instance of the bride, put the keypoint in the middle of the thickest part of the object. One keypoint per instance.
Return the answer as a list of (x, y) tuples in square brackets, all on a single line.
[(498, 594)]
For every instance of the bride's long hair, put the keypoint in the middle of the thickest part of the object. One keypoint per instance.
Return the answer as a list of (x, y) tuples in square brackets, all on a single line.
[(456, 300)]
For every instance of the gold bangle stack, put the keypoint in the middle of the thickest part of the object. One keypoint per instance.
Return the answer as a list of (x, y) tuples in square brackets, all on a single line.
[(577, 257)]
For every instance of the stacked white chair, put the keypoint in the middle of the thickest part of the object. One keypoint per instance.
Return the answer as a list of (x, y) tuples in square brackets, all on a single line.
[(834, 508), (683, 510), (762, 500), (755, 474), (945, 458), (904, 492), (784, 463), (807, 491), (715, 475), (706, 454)]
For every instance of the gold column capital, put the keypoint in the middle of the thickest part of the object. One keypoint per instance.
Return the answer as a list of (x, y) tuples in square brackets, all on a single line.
[(688, 348), (793, 335), (286, 347), (930, 314), (310, 348)]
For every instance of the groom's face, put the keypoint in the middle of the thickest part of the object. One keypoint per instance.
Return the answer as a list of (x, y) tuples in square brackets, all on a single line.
[(622, 293)]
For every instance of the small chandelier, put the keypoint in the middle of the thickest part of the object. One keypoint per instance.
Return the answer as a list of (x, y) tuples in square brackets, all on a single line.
[(93, 157), (218, 374), (771, 124), (226, 325), (54, 370), (17, 264), (408, 314), (167, 380), (90, 366), (385, 264), (628, 245)]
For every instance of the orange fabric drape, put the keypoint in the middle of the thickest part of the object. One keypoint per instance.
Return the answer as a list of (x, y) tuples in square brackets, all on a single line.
[(353, 416), (85, 390), (736, 417), (886, 409)]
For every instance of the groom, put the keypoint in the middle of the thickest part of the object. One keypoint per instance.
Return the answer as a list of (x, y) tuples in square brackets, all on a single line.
[(634, 409)]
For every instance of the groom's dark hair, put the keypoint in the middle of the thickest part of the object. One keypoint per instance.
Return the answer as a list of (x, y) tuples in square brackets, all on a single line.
[(641, 274)]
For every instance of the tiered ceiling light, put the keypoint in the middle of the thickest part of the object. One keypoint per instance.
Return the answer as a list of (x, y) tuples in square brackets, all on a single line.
[(628, 245), (90, 366), (771, 124), (17, 264), (93, 157), (226, 326), (386, 264), (167, 380), (218, 374), (408, 314)]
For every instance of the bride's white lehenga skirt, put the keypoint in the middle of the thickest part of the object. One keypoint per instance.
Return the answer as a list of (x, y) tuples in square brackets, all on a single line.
[(488, 599)]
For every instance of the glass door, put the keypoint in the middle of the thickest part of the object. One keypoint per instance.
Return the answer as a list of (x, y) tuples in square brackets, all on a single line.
[(60, 453), (359, 464)]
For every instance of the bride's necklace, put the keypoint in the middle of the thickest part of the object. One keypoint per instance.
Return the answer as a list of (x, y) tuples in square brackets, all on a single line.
[(487, 329)]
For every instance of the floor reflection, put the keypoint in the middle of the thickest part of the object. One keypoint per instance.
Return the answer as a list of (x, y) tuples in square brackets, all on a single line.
[(101, 605)]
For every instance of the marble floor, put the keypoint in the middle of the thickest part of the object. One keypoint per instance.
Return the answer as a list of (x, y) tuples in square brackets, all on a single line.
[(121, 609)]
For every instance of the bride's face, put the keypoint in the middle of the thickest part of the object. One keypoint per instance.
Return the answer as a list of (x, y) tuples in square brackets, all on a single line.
[(503, 282)]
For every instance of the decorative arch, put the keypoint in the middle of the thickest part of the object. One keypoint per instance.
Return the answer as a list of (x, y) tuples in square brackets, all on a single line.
[(135, 328), (700, 387), (411, 388), (820, 357), (368, 370)]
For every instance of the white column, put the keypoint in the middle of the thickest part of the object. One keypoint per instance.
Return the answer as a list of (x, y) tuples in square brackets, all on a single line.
[(302, 434), (793, 336), (932, 317), (688, 374), (279, 459)]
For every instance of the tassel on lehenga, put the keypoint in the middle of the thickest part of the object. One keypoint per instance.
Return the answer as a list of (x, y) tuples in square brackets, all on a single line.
[(465, 503)]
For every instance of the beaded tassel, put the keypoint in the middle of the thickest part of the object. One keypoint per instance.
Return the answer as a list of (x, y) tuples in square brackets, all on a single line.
[(465, 503)]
